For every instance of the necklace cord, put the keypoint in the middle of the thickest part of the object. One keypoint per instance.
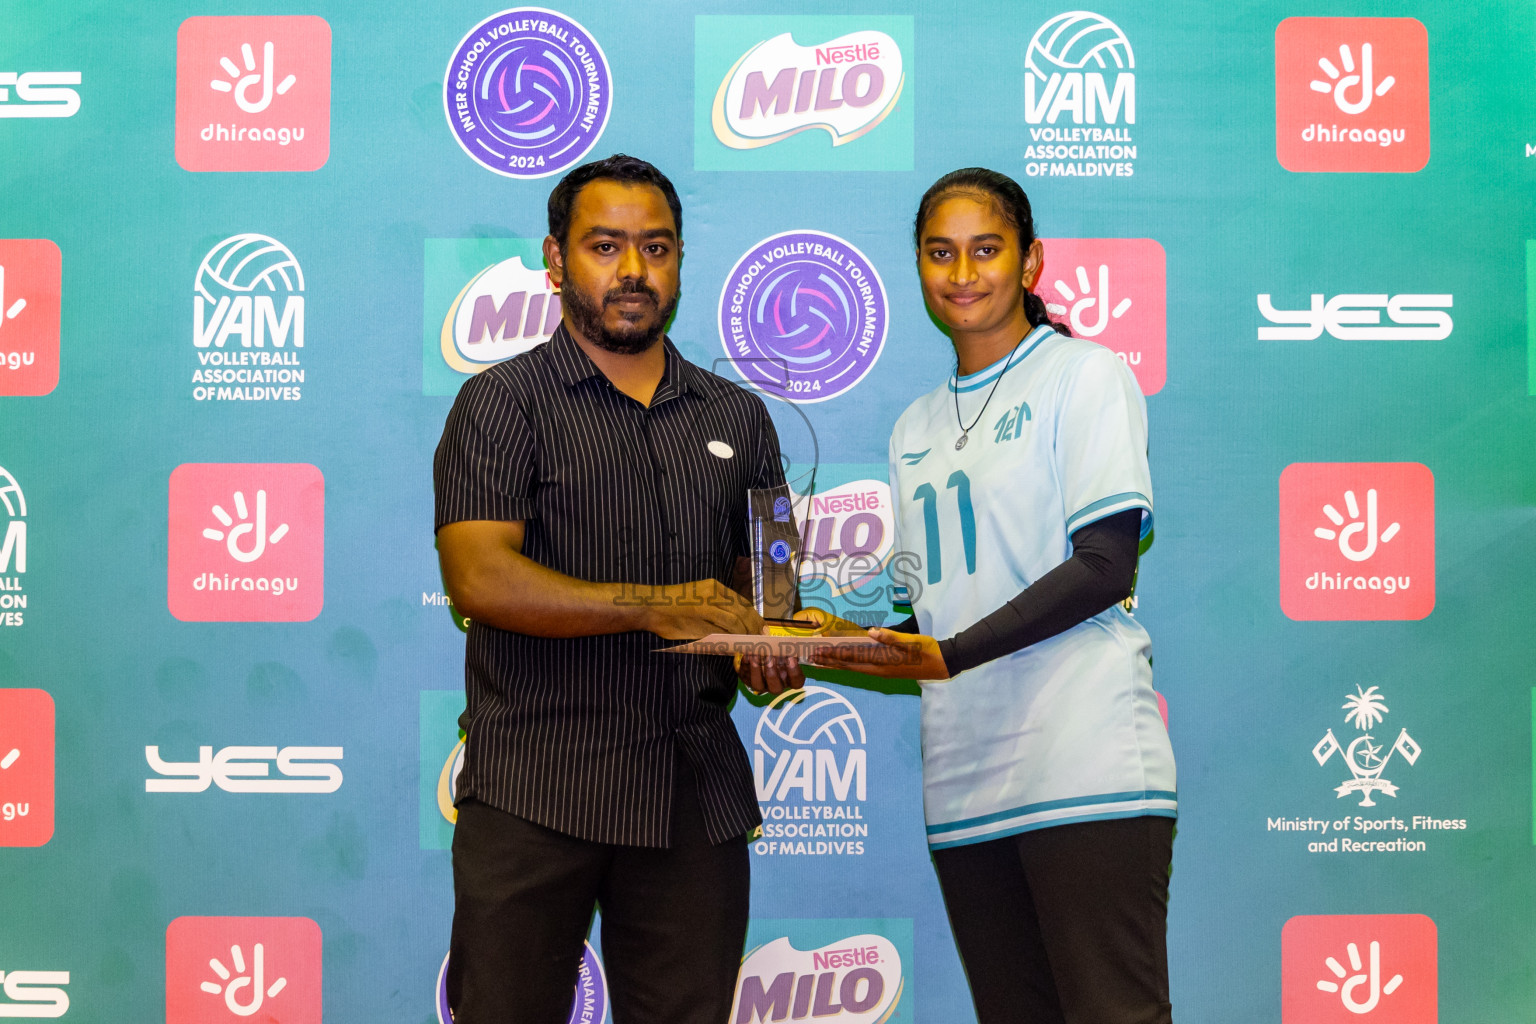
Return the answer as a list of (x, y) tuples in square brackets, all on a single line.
[(965, 431)]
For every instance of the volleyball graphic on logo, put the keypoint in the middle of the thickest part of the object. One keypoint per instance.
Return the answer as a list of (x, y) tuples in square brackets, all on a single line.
[(803, 316), (10, 495), (1076, 40), (802, 717), (246, 263), (527, 92)]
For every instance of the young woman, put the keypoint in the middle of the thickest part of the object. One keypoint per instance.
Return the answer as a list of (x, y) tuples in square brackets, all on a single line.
[(1048, 779)]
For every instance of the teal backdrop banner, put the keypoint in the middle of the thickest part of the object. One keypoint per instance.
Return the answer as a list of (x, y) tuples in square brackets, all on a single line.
[(249, 253)]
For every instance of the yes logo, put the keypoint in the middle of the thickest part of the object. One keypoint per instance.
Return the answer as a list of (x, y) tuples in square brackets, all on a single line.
[(1357, 540), (1345, 968), (35, 995), (1352, 94), (486, 300), (1113, 291), (220, 969), (847, 972), (39, 94), (247, 770), (820, 92), (31, 279), (253, 93), (247, 542), (26, 769)]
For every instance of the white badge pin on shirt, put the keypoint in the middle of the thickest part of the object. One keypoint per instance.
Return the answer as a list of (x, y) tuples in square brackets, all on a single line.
[(720, 449)]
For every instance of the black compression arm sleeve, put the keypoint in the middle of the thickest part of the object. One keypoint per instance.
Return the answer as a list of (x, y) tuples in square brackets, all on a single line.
[(1100, 572)]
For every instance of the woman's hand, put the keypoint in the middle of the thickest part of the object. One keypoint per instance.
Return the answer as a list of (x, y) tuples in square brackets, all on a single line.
[(903, 656)]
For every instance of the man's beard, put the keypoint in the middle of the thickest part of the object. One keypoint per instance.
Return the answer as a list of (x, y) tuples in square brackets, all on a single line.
[(631, 339)]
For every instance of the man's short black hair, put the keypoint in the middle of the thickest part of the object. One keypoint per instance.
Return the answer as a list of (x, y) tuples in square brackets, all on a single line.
[(619, 167)]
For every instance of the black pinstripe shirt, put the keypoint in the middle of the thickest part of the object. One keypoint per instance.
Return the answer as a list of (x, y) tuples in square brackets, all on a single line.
[(581, 735)]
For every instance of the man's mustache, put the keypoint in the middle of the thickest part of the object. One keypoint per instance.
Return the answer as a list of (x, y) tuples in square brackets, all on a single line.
[(632, 288)]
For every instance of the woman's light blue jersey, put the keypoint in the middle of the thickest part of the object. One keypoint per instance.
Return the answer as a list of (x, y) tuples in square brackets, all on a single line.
[(1068, 729)]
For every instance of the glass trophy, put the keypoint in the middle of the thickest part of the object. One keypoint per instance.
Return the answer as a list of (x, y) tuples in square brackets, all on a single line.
[(775, 542)]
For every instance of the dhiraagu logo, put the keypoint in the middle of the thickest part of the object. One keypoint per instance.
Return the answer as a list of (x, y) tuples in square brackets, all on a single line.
[(803, 93), (485, 300), (442, 759)]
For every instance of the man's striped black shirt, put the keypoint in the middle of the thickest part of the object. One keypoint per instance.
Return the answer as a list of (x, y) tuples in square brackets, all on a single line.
[(581, 735)]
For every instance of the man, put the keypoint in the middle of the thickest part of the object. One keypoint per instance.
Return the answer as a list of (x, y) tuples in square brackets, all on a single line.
[(591, 503)]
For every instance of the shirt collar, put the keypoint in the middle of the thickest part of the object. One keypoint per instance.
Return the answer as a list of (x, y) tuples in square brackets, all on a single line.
[(574, 366)]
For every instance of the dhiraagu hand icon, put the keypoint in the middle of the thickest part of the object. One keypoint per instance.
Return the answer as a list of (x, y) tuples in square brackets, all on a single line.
[(244, 991), (1346, 537), (1341, 83), (242, 84), (247, 550)]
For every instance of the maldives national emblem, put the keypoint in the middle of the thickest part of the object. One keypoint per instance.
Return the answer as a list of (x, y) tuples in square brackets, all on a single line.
[(1363, 756)]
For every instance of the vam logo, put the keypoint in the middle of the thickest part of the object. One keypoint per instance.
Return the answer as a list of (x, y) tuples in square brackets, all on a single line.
[(527, 92), (248, 289), (807, 974), (1352, 94), (253, 93), (31, 280), (1079, 98), (811, 769), (1357, 540), (1113, 291), (39, 94), (1358, 318), (590, 1006), (1340, 969), (248, 770), (34, 995), (1363, 757), (13, 551), (765, 101), (485, 301), (803, 316), (247, 542), (229, 969), (26, 769)]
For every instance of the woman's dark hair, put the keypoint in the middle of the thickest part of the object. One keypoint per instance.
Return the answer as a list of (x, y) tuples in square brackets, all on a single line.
[(1010, 201), (619, 167)]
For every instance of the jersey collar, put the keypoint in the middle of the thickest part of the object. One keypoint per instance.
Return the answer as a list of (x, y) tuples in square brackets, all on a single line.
[(985, 376)]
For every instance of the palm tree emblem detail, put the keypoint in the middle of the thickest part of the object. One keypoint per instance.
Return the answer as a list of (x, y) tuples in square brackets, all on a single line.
[(1365, 709)]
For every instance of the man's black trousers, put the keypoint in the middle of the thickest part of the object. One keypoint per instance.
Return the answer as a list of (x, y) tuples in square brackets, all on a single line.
[(674, 920)]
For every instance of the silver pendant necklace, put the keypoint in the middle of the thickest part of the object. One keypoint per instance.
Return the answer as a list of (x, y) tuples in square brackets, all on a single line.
[(965, 431)]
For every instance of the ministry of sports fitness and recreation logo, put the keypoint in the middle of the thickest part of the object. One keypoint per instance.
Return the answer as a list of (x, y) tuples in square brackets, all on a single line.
[(590, 1005), (831, 80), (1357, 317), (1345, 968), (26, 768), (1357, 540), (484, 300), (811, 769), (253, 93), (1112, 291), (1080, 98), (840, 971), (232, 969), (442, 762), (1364, 755), (248, 322), (39, 94), (803, 316), (247, 542), (31, 279), (13, 551), (1352, 94), (527, 92)]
